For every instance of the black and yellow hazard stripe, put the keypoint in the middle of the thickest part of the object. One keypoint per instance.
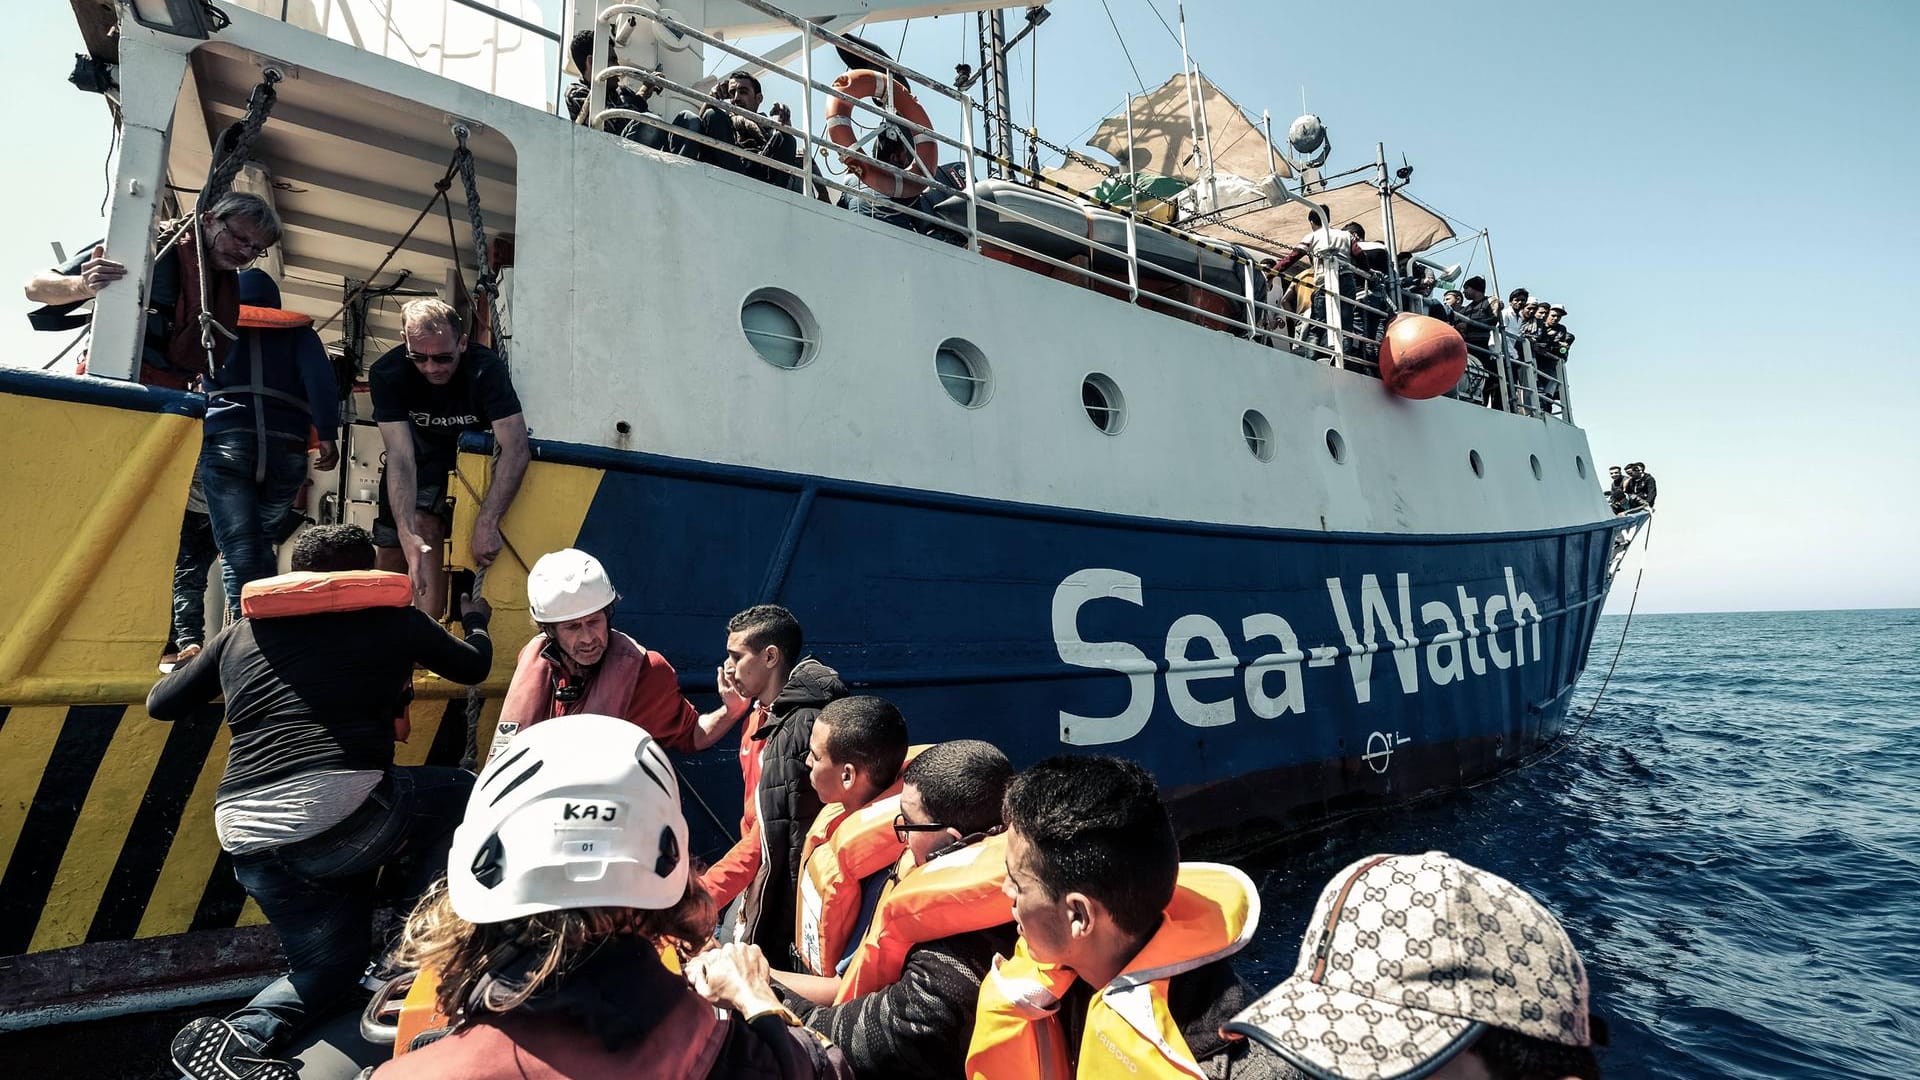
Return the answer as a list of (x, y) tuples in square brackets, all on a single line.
[(106, 821)]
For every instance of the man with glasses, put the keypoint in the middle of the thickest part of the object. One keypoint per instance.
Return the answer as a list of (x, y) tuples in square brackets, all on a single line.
[(426, 393), (905, 1006), (234, 231)]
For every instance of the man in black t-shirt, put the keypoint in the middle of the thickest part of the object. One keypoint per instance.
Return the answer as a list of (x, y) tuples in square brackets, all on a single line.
[(425, 394)]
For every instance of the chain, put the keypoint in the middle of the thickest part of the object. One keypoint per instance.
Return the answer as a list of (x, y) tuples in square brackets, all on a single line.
[(259, 105)]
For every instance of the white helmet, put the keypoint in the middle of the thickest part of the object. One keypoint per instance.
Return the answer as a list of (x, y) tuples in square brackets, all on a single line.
[(568, 584), (582, 811)]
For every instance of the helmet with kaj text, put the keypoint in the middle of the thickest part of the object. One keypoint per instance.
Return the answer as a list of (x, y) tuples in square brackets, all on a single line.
[(568, 584), (581, 812)]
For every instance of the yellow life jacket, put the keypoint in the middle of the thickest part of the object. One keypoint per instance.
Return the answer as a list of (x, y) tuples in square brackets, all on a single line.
[(957, 893), (305, 592), (1129, 1031)]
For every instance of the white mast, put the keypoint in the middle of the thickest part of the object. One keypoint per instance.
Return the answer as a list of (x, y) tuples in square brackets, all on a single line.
[(1196, 109)]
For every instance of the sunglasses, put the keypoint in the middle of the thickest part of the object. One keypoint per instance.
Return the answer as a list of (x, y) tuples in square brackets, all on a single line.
[(436, 358), (901, 827)]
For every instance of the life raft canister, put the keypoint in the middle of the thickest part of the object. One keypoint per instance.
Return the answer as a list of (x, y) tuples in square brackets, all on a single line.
[(1129, 1028), (957, 893), (305, 592), (867, 83)]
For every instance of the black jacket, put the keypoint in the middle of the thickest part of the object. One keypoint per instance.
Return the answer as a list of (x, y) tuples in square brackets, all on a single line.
[(918, 1027), (786, 806), (1641, 490), (312, 692)]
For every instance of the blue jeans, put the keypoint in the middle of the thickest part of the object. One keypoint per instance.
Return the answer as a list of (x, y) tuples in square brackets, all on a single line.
[(190, 569), (246, 512), (319, 893)]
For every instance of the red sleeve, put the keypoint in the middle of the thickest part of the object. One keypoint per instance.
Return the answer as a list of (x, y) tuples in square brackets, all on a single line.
[(658, 706), (731, 873)]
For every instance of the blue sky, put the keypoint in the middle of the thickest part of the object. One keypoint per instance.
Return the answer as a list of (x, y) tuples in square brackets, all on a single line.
[(1716, 191)]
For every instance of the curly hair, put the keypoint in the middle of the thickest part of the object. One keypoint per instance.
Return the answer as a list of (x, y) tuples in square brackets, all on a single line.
[(540, 947)]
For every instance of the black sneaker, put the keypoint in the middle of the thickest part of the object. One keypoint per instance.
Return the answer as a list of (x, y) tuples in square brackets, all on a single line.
[(212, 1049)]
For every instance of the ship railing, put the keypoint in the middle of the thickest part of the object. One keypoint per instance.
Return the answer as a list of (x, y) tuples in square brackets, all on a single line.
[(1244, 311)]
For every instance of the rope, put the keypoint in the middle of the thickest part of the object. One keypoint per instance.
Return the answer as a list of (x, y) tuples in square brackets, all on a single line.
[(259, 104), (440, 192), (219, 182), (485, 279), (1617, 650), (476, 701)]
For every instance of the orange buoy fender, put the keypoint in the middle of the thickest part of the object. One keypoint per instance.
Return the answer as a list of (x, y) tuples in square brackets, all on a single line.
[(1422, 357), (866, 83), (307, 593)]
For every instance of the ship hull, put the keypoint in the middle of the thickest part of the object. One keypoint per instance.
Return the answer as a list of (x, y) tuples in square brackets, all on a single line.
[(1271, 678)]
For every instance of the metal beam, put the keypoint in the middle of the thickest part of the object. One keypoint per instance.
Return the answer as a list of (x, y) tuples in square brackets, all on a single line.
[(379, 239), (356, 136), (327, 182)]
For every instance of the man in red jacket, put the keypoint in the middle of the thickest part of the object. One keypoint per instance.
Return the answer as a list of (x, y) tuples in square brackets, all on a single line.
[(579, 664)]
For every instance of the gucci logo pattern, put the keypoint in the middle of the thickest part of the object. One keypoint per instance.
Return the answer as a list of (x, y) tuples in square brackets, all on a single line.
[(1407, 958)]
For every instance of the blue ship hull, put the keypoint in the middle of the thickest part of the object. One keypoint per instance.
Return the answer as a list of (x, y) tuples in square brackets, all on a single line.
[(1270, 678)]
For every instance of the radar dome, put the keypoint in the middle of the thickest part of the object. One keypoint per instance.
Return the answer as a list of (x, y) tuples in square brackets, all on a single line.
[(1306, 134)]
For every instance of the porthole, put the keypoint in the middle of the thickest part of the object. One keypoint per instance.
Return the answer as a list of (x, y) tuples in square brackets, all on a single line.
[(963, 372), (1104, 405), (1337, 445), (780, 328), (1258, 433), (1580, 466), (1479, 467), (1533, 460)]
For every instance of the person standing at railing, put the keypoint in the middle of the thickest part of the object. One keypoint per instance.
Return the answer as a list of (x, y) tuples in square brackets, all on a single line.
[(1475, 321), (579, 98), (763, 143), (1641, 490)]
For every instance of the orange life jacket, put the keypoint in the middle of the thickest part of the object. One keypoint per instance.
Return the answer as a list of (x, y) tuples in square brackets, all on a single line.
[(305, 592), (530, 696), (842, 850), (959, 892), (1129, 1029)]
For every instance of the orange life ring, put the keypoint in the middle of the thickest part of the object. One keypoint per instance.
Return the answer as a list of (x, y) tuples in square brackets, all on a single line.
[(866, 83)]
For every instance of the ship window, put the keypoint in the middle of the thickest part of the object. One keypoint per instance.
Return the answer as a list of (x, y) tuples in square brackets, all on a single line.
[(1533, 460), (1258, 433), (780, 328), (1104, 405), (1473, 459), (963, 372), (1337, 445), (1580, 466)]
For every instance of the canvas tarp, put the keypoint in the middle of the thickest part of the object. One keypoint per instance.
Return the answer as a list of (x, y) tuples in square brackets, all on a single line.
[(1415, 228), (1162, 137)]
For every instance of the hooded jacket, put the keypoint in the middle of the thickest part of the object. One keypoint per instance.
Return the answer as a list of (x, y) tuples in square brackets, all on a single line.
[(275, 381), (785, 806)]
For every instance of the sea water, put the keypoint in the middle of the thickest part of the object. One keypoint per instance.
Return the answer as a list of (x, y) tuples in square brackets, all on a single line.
[(1732, 839)]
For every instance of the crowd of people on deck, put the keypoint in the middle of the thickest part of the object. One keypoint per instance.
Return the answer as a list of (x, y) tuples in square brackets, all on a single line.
[(1633, 491), (1500, 337), (889, 909)]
